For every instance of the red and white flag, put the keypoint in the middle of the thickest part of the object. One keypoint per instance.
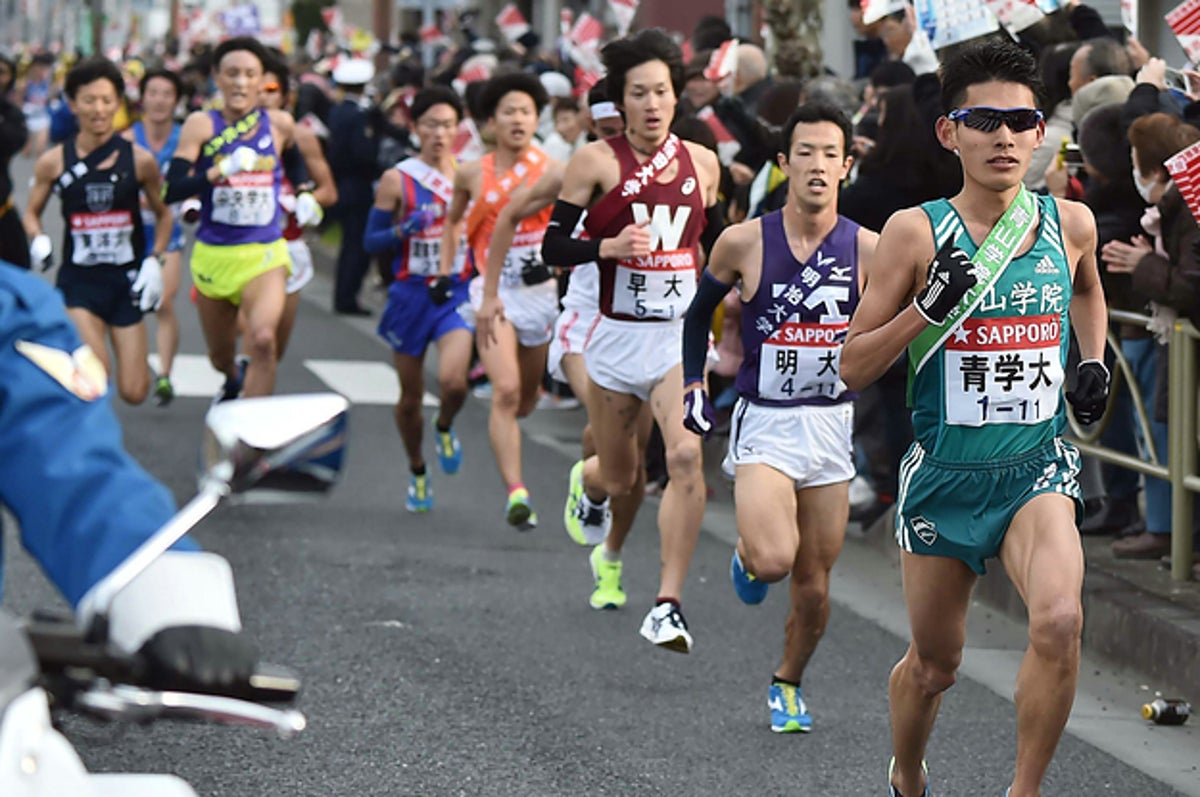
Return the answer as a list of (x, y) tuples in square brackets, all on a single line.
[(511, 23), (623, 11), (584, 80), (1184, 168), (727, 146), (723, 61), (587, 32), (1129, 15), (433, 36), (1184, 21), (332, 17)]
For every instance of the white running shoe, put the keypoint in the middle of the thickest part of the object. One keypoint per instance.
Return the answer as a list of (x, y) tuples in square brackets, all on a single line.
[(664, 626)]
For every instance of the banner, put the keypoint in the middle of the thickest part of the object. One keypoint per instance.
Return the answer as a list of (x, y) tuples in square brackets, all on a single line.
[(511, 24), (623, 11), (947, 22), (241, 21), (1016, 15), (1184, 168), (1184, 21)]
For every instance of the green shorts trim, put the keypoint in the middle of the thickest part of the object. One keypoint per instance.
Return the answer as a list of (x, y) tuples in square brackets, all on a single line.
[(962, 510), (222, 271)]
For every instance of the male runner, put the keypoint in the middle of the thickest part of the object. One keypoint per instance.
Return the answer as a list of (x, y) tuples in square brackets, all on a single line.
[(423, 308), (513, 350), (157, 132), (657, 202), (800, 270), (978, 288), (302, 204), (240, 259), (108, 278)]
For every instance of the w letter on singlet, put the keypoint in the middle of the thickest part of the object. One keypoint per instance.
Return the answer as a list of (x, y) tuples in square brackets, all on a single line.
[(666, 230)]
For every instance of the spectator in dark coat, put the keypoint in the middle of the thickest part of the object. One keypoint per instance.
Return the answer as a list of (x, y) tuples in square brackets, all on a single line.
[(14, 246)]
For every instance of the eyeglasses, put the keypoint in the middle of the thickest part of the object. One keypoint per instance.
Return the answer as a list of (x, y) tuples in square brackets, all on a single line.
[(270, 87), (988, 120)]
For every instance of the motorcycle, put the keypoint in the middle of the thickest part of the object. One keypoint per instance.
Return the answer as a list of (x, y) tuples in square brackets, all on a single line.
[(275, 449)]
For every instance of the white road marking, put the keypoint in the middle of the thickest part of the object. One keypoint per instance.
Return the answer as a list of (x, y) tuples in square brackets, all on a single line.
[(192, 375), (363, 381)]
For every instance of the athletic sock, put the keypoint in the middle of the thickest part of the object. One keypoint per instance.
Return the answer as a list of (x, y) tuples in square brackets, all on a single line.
[(661, 600), (418, 471), (610, 556), (515, 487), (440, 429), (590, 504), (775, 679)]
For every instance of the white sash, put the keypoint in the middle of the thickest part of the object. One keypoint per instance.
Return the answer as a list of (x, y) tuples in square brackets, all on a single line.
[(441, 185)]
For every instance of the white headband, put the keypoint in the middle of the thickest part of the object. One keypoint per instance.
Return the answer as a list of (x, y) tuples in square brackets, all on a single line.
[(604, 110)]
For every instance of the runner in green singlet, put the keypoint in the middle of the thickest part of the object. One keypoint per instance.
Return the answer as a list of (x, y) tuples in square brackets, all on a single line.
[(984, 302)]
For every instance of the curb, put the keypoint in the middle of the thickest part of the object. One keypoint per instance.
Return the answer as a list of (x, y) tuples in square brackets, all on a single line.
[(1123, 624)]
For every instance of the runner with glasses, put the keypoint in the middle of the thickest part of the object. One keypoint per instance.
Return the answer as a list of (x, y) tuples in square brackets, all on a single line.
[(982, 290)]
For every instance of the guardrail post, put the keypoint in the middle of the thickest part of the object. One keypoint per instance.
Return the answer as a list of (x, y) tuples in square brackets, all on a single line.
[(1182, 450)]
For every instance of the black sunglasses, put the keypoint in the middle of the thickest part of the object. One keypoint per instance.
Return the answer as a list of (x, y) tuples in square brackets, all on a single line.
[(988, 120)]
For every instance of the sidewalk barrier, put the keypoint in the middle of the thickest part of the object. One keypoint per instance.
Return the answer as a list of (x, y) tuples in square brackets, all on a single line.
[(1180, 469)]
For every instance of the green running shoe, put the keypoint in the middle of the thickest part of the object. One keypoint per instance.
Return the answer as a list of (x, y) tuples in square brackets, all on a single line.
[(607, 576), (164, 392), (520, 514)]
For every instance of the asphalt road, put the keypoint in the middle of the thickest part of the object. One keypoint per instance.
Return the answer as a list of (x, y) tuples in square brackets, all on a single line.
[(446, 654)]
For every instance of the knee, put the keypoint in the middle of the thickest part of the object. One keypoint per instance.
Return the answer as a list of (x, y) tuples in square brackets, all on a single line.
[(409, 407), (619, 483), (684, 459), (452, 388), (934, 675), (810, 591), (262, 343), (1054, 631), (769, 563), (506, 397), (134, 391)]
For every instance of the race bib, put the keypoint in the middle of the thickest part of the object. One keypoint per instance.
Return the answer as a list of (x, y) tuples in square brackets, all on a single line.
[(425, 246), (1004, 370), (800, 361), (102, 238), (524, 255), (659, 286), (245, 200)]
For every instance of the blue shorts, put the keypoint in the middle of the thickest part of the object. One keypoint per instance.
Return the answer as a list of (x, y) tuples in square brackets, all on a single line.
[(411, 321), (101, 290), (962, 510)]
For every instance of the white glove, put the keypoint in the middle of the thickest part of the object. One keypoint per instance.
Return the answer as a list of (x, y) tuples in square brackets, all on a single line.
[(242, 159), (308, 211), (39, 250), (147, 287), (189, 212)]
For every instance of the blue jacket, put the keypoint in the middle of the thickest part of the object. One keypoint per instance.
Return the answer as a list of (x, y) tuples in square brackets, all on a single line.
[(82, 502)]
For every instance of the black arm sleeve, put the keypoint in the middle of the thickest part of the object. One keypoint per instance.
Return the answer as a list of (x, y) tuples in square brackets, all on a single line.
[(714, 225), (696, 323), (294, 167), (181, 183), (559, 248)]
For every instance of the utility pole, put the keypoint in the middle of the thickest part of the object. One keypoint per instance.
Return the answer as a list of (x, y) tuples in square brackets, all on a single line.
[(97, 10)]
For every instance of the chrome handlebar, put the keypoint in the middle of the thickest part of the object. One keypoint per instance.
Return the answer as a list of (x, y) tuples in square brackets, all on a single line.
[(125, 703)]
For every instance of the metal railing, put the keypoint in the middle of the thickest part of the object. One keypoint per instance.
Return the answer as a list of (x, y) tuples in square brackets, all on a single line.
[(1180, 469)]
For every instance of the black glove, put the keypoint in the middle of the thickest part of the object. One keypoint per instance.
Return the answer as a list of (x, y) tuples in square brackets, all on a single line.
[(1090, 396), (198, 658), (535, 273), (440, 290), (948, 280)]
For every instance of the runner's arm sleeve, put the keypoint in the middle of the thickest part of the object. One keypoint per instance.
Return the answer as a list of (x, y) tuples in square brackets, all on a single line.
[(294, 168), (696, 324), (559, 248), (714, 225), (181, 183), (381, 232)]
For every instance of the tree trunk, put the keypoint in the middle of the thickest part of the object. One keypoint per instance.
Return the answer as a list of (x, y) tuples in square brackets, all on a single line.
[(796, 28)]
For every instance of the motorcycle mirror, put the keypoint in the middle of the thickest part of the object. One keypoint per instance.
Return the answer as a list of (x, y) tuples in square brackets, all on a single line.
[(275, 448)]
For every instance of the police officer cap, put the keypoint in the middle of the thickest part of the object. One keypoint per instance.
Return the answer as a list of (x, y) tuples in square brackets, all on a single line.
[(354, 72)]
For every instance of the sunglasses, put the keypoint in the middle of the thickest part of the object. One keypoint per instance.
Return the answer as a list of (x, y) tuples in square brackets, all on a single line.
[(988, 120), (270, 87)]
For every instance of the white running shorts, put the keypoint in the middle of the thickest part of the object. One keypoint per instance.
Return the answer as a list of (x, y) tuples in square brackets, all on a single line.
[(809, 444), (531, 309), (632, 357), (571, 334), (302, 266)]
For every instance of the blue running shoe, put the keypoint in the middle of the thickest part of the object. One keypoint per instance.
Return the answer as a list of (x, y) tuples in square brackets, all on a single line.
[(788, 712), (449, 450), (420, 497), (748, 588), (892, 789)]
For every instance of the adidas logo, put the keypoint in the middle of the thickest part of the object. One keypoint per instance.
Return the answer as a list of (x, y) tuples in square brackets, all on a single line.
[(1046, 266)]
